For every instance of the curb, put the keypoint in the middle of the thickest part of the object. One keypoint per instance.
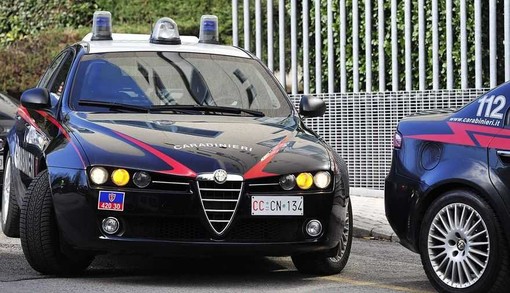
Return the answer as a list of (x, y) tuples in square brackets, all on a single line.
[(371, 234)]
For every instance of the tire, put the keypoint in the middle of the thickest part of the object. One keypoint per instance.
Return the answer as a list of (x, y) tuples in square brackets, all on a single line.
[(319, 263), (10, 209), (454, 249), (40, 237)]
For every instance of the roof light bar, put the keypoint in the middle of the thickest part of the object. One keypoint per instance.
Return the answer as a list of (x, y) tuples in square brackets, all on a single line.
[(102, 26), (165, 32), (209, 29)]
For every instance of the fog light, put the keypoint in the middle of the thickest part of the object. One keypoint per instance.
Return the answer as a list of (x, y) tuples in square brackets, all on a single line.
[(142, 179), (314, 228), (288, 182), (98, 175), (111, 225), (304, 180), (120, 177)]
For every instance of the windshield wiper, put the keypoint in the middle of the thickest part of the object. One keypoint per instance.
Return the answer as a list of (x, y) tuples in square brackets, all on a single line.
[(114, 106), (208, 109)]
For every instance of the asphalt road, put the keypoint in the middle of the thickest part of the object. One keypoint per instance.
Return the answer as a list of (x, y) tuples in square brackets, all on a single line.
[(374, 266)]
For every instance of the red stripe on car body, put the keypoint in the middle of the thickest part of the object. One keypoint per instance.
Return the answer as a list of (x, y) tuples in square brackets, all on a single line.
[(470, 135), (257, 171), (177, 168), (23, 113), (64, 132), (502, 143)]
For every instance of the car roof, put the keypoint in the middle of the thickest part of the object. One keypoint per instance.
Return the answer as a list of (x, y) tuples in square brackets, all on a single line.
[(141, 43)]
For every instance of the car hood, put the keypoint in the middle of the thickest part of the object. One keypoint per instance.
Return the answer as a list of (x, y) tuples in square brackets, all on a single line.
[(188, 145)]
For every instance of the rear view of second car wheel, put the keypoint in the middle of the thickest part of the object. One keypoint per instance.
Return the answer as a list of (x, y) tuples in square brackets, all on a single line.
[(42, 245), (462, 245)]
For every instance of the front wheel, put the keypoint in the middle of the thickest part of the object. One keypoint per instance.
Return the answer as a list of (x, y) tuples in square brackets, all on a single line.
[(462, 245), (40, 239), (319, 263)]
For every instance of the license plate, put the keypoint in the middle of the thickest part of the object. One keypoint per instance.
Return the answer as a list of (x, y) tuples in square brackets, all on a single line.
[(277, 205)]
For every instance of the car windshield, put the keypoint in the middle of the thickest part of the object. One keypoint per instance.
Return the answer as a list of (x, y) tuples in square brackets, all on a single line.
[(159, 80)]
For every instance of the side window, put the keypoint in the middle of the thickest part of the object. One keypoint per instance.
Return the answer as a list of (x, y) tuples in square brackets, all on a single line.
[(57, 85), (51, 70)]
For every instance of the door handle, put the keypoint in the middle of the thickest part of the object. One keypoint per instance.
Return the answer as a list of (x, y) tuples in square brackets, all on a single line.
[(505, 154)]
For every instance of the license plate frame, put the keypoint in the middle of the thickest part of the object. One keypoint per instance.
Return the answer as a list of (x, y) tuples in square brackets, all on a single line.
[(265, 205)]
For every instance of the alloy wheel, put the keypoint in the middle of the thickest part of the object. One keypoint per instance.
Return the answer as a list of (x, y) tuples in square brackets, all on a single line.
[(458, 245)]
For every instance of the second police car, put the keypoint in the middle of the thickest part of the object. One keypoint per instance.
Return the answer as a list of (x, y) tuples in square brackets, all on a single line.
[(448, 193), (164, 144)]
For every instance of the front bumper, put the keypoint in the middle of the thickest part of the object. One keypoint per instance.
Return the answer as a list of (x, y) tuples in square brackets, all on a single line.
[(174, 222), (193, 248)]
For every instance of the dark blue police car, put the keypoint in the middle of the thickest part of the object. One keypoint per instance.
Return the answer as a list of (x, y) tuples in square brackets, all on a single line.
[(170, 145), (448, 193)]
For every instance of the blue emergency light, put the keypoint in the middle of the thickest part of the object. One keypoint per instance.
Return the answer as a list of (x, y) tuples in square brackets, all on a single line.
[(209, 29), (102, 26)]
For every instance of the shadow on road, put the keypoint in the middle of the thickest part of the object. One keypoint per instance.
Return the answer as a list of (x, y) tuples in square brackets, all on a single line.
[(206, 270)]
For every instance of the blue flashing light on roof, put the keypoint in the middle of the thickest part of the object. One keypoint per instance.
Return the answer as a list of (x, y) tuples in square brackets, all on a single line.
[(102, 26), (166, 32), (209, 29)]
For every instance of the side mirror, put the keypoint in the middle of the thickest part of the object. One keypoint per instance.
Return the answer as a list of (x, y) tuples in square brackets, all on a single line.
[(310, 107), (36, 98)]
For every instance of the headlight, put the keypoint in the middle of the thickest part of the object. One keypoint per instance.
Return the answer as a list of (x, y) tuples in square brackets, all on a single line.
[(98, 175), (34, 137), (304, 180), (288, 182), (120, 177), (322, 179), (142, 179)]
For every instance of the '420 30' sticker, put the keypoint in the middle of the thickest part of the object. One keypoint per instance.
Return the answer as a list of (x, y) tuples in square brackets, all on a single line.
[(111, 201)]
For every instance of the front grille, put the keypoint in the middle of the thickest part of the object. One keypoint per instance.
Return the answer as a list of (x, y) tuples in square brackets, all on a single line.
[(220, 202), (165, 228), (170, 183), (264, 185)]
